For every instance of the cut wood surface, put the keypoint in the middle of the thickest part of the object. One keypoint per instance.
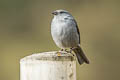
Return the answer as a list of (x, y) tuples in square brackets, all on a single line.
[(48, 66)]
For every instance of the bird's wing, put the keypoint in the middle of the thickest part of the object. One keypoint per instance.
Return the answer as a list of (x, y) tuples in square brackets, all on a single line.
[(77, 29)]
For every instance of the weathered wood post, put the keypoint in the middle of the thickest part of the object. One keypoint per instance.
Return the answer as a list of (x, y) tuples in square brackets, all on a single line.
[(48, 66)]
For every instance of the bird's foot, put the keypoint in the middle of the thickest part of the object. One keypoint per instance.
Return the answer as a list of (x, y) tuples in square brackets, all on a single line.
[(68, 51)]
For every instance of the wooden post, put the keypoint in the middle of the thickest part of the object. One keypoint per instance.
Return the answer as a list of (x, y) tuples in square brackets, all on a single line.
[(48, 66)]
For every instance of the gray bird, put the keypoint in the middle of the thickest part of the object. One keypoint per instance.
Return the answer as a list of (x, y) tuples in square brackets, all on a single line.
[(65, 34)]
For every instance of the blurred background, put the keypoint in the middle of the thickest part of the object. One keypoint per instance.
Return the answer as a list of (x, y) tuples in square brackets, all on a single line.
[(25, 29)]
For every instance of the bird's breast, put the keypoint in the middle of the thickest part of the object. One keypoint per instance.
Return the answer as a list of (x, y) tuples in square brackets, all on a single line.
[(58, 29), (64, 34)]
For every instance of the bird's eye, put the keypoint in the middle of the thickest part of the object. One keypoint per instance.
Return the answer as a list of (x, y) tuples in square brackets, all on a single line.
[(62, 12)]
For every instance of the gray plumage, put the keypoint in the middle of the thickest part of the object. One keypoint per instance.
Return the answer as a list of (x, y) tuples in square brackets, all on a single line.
[(65, 33)]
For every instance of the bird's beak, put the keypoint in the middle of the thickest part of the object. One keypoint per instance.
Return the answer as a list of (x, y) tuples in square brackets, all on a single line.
[(54, 13)]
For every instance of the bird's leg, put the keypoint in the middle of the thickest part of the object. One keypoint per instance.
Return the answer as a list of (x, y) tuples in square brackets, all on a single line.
[(71, 49), (62, 50), (59, 52), (66, 50)]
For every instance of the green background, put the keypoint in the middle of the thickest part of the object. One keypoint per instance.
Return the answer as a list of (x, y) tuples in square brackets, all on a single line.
[(25, 29)]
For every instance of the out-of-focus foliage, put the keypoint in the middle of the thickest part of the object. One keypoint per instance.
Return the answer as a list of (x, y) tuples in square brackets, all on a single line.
[(25, 29)]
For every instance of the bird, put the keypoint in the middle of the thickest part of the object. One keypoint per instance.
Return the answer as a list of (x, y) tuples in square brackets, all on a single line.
[(66, 35)]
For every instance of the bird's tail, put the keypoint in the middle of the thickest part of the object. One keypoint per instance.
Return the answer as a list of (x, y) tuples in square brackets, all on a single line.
[(80, 55)]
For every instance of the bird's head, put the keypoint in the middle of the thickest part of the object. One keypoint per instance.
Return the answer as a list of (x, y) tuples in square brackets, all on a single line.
[(61, 13)]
